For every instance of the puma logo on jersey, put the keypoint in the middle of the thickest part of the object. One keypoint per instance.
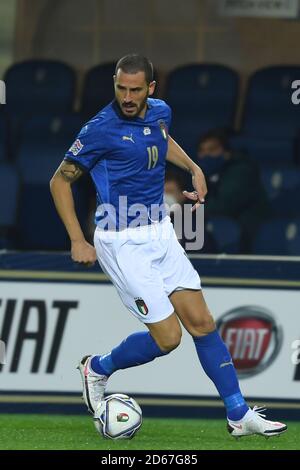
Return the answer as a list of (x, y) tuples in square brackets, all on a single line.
[(126, 137), (229, 363)]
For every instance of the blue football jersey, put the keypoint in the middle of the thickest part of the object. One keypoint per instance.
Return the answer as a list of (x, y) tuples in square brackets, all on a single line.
[(126, 158)]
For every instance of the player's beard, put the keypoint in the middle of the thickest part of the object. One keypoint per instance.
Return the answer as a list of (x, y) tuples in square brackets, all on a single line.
[(139, 108)]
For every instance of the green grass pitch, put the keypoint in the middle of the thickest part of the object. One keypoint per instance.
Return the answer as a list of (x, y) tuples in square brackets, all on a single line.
[(77, 432)]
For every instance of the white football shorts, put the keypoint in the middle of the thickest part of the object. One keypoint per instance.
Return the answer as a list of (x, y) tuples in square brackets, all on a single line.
[(146, 264)]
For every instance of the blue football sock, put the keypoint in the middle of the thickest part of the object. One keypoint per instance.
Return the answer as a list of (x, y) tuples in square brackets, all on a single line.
[(139, 348), (217, 364)]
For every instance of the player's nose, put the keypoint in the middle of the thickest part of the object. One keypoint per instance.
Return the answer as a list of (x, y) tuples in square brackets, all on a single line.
[(127, 97)]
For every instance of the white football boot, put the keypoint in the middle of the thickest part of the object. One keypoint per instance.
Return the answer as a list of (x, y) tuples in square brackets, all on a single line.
[(93, 384), (254, 423)]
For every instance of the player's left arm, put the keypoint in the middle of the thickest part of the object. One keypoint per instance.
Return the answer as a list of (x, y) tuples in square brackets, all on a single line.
[(178, 157)]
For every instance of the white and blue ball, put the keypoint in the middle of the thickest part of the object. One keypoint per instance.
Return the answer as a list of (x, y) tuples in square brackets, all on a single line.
[(118, 416)]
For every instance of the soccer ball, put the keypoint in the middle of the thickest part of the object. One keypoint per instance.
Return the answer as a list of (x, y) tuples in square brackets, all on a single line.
[(118, 417)]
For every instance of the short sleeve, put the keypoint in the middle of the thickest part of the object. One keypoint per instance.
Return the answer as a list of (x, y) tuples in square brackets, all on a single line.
[(88, 148), (169, 116)]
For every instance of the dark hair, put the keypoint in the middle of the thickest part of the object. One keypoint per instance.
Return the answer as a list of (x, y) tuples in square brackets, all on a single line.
[(133, 63), (221, 135), (179, 176)]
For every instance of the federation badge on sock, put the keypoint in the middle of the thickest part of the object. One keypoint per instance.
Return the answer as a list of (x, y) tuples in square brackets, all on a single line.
[(143, 309)]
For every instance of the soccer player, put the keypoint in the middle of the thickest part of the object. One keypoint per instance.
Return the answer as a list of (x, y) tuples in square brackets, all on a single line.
[(125, 148)]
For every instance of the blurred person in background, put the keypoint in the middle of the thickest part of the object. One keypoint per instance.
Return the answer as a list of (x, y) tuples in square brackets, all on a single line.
[(175, 199), (234, 185)]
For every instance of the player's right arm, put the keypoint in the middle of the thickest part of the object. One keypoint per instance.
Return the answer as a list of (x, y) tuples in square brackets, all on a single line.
[(60, 187)]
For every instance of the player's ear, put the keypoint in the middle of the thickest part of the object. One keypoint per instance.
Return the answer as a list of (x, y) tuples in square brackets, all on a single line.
[(152, 86), (115, 80)]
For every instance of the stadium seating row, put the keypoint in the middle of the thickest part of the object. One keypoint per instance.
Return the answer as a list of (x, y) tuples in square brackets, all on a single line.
[(27, 214), (202, 96), (278, 236), (38, 124), (28, 219)]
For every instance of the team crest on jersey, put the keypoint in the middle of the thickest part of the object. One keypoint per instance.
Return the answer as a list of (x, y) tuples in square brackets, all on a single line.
[(76, 147), (163, 128), (147, 131), (143, 309)]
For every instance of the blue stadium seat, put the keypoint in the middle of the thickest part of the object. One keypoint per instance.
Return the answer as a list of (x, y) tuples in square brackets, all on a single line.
[(3, 137), (39, 226), (9, 198), (269, 111), (202, 97), (278, 237), (204, 90), (98, 89), (283, 190), (266, 152), (9, 189), (226, 233), (44, 141), (39, 86), (187, 134)]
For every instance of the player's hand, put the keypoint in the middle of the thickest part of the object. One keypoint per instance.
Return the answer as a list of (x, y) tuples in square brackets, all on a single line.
[(199, 183), (83, 252)]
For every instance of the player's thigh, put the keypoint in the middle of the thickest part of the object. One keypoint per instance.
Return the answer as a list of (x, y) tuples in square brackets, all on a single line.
[(193, 311), (143, 291), (139, 285), (167, 333)]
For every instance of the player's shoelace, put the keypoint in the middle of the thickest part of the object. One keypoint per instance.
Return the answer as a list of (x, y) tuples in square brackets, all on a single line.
[(258, 411), (98, 384)]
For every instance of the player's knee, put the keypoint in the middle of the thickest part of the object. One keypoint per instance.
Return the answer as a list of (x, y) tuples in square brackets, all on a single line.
[(204, 325), (170, 341)]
